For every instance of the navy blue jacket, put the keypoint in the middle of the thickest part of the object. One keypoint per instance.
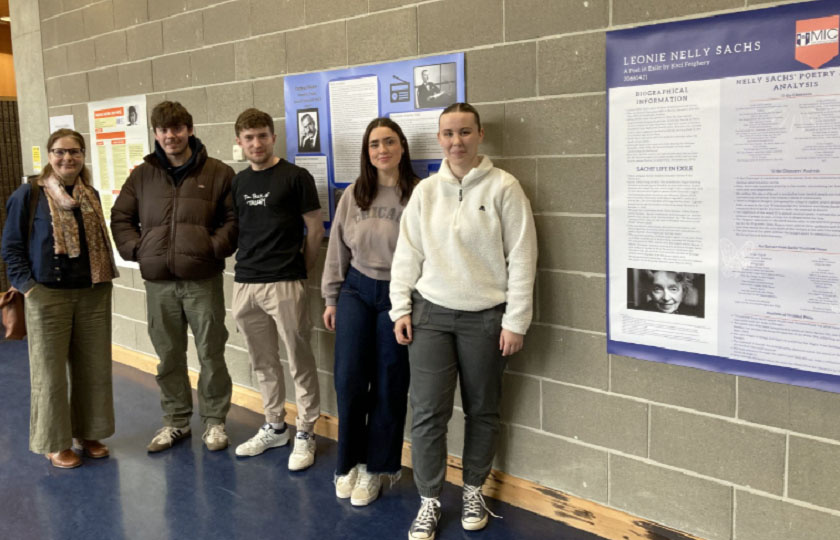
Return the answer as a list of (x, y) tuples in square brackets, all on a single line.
[(34, 261)]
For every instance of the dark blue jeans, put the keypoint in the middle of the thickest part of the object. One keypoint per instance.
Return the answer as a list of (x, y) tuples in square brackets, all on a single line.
[(371, 377)]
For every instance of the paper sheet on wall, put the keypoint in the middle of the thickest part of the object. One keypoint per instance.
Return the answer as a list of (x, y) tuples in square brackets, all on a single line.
[(317, 167), (353, 103), (65, 121), (119, 140), (420, 128)]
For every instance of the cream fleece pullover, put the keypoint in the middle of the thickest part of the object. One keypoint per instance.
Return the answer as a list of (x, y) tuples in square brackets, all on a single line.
[(467, 245)]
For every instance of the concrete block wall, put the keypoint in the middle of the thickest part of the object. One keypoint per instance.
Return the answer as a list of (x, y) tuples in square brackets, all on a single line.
[(714, 455)]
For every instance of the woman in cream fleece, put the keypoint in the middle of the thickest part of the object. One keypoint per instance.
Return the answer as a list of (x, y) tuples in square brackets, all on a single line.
[(461, 293), (371, 368)]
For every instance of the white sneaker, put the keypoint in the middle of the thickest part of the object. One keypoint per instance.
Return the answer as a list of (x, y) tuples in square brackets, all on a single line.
[(215, 437), (345, 483), (267, 437), (367, 488), (303, 456)]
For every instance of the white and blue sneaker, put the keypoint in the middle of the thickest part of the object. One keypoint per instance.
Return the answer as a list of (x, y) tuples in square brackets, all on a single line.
[(303, 455), (267, 437)]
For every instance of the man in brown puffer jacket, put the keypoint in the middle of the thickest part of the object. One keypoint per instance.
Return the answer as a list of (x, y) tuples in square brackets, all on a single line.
[(174, 215)]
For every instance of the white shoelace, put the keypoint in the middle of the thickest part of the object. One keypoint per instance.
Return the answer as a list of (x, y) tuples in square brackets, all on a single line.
[(426, 519), (393, 478), (473, 500), (301, 448), (366, 479), (263, 437), (216, 431)]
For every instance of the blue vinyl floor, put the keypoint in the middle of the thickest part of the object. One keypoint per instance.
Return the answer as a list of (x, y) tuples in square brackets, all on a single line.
[(190, 493)]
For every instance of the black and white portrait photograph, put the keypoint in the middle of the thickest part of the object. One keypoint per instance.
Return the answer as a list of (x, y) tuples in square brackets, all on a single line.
[(309, 134), (666, 291), (132, 115), (435, 85)]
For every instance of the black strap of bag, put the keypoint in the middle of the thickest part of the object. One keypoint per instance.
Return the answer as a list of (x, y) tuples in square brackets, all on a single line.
[(34, 193)]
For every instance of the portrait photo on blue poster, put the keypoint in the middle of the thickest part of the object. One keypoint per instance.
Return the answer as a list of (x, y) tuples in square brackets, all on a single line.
[(435, 85), (327, 113), (308, 132)]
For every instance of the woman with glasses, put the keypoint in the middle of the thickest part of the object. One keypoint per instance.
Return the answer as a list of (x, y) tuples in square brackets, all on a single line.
[(58, 253)]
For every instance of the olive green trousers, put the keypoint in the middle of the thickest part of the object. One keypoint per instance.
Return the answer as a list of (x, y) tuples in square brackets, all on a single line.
[(69, 366), (171, 307)]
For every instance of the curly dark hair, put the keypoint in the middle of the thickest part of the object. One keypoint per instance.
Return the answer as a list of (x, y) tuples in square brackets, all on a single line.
[(171, 114)]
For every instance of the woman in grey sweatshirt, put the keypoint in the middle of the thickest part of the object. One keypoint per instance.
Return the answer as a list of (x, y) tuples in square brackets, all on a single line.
[(371, 368)]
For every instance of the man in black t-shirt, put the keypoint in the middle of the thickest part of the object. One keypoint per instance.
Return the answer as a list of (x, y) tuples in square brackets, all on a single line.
[(274, 200)]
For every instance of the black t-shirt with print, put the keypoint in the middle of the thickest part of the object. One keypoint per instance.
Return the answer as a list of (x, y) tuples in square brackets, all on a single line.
[(270, 205)]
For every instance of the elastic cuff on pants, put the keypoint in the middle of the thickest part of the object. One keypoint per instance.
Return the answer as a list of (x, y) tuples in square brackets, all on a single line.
[(211, 421), (275, 419), (474, 480), (430, 492), (309, 428)]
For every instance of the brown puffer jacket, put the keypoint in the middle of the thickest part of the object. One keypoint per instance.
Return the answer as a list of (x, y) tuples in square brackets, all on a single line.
[(182, 232)]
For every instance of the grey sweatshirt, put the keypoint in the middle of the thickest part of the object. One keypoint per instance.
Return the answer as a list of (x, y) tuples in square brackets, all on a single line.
[(364, 240)]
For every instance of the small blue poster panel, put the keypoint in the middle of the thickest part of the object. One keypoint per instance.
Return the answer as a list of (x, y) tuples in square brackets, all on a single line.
[(327, 113), (724, 193)]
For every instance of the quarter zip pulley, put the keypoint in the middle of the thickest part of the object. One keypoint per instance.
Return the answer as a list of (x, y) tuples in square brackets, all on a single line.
[(460, 194)]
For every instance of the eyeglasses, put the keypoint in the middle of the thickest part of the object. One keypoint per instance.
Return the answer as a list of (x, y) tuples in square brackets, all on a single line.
[(61, 152)]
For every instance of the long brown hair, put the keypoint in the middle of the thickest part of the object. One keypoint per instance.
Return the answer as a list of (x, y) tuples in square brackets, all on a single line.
[(75, 135), (367, 183)]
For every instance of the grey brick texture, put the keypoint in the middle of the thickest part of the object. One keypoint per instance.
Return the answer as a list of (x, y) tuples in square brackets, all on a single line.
[(718, 456)]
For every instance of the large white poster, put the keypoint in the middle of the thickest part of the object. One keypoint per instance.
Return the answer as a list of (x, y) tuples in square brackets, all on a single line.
[(724, 193), (119, 140)]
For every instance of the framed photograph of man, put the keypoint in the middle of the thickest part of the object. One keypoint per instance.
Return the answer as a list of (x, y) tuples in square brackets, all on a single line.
[(309, 133), (435, 86)]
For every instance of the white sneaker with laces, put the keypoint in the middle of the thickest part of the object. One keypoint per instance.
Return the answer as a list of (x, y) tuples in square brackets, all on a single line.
[(303, 455), (425, 524), (267, 437), (474, 513), (367, 488), (215, 437), (166, 436), (345, 483)]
